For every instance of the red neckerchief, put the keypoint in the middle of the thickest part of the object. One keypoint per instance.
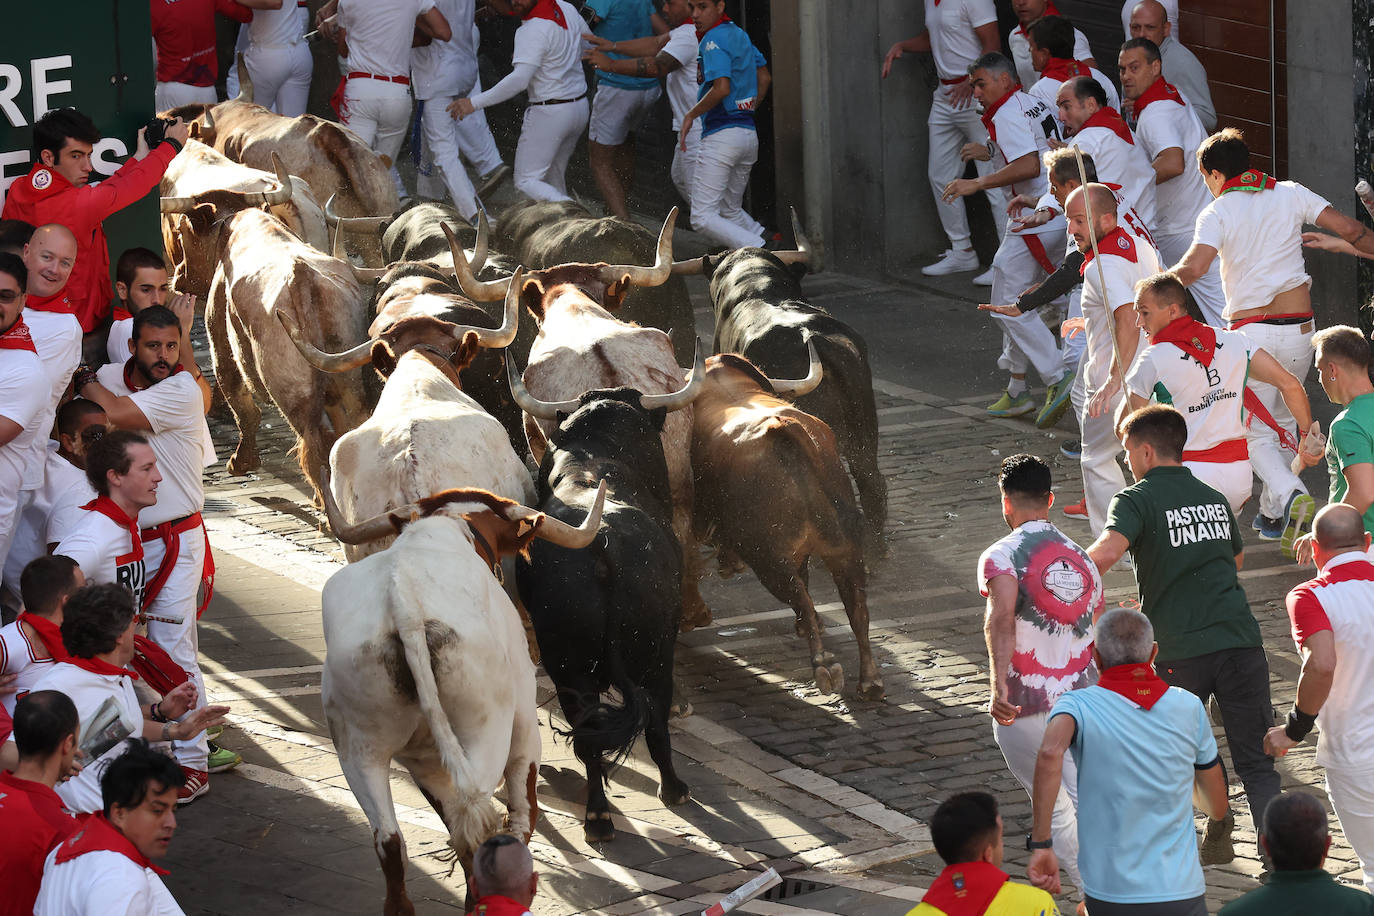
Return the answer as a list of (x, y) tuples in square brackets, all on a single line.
[(966, 889), (1158, 91), (497, 905), (18, 337), (1136, 682), (121, 313), (992, 109), (1191, 336), (1116, 242), (49, 633), (58, 302), (701, 33), (547, 9), (96, 666), (1249, 180), (110, 509), (1050, 10), (129, 374), (1060, 69), (98, 835), (1110, 119)]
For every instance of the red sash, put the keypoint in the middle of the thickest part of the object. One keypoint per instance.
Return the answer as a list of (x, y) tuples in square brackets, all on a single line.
[(1221, 453), (98, 835), (96, 666), (1249, 180), (1136, 682), (170, 535), (1116, 242), (18, 337), (1060, 69), (1158, 91), (1110, 119), (966, 889), (49, 633), (110, 509), (547, 9)]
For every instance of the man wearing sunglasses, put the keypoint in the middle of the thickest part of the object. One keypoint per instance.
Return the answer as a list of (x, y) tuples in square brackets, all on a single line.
[(21, 401)]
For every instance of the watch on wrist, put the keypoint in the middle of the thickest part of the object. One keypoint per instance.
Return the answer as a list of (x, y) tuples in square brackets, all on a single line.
[(1038, 844)]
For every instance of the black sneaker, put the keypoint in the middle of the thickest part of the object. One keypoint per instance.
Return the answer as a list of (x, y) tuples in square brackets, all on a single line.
[(1071, 448), (1217, 848)]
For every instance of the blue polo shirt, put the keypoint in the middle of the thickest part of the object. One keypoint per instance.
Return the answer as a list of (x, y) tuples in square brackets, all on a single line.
[(1136, 842), (622, 20), (727, 51)]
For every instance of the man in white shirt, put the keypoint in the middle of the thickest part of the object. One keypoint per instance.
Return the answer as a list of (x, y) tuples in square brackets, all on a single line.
[(279, 59), (1050, 41), (161, 390), (1168, 130), (957, 33), (80, 424), (1254, 226), (140, 281), (1181, 66), (1019, 129), (476, 145), (547, 62), (1099, 131), (440, 72), (23, 395), (32, 643), (1027, 12)]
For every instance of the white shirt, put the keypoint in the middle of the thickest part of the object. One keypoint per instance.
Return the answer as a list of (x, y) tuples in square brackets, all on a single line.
[(1021, 56), (1166, 124), (17, 657), (1121, 275), (555, 53), (380, 33), (1170, 13), (682, 83), (105, 552), (88, 691), (65, 490), (1022, 126), (117, 344), (446, 69), (102, 883), (23, 399), (1258, 236), (279, 28), (1125, 216), (1209, 397), (180, 440), (953, 42), (1123, 164), (57, 336), (1047, 91)]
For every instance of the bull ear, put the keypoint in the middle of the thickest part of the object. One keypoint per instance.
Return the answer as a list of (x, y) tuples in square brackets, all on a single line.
[(467, 351), (656, 417), (532, 298), (201, 217), (383, 360), (560, 416), (615, 293)]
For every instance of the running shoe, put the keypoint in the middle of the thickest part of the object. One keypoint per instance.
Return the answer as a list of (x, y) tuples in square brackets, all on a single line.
[(222, 759), (1071, 448), (213, 732), (1297, 521), (1056, 402), (1217, 847), (1269, 529), (952, 262), (1078, 509), (197, 784), (488, 182), (984, 278), (1008, 406)]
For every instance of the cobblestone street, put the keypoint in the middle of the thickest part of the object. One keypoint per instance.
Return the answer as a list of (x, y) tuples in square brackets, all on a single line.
[(832, 791)]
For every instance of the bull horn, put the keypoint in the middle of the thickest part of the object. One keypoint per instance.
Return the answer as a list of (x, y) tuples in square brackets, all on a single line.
[(278, 195), (482, 247), (686, 395), (368, 274), (338, 250), (373, 529), (245, 82), (360, 355), (351, 223), (800, 386), (565, 535), (176, 204), (803, 253), (541, 410), (694, 267), (510, 320), (207, 120), (663, 264), (474, 289)]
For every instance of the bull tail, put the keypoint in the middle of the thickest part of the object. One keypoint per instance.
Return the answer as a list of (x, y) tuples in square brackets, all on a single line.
[(475, 818), (836, 516)]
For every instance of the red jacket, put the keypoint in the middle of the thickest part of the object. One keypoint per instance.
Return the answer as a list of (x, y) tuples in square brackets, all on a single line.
[(184, 31), (43, 196), (32, 822)]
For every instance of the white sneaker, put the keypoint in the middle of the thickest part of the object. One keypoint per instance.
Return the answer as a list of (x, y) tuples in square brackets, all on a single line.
[(952, 262), (984, 278)]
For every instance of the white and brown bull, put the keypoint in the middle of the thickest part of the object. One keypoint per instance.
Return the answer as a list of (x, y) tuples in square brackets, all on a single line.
[(426, 434), (581, 347), (772, 490), (426, 664)]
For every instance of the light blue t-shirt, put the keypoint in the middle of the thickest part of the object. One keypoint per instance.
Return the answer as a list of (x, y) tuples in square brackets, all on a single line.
[(1136, 842), (727, 51), (622, 20)]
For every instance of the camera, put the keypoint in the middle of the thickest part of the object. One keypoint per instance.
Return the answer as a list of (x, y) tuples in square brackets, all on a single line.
[(155, 131)]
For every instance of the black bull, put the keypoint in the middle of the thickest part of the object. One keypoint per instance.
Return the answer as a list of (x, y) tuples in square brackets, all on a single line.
[(761, 314)]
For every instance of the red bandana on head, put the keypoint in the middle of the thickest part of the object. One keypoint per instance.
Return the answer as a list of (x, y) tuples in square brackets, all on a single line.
[(547, 9), (966, 889), (1249, 180), (992, 110), (1116, 242), (18, 337), (701, 33), (1136, 682), (1158, 92), (49, 633), (1060, 69), (1109, 118), (98, 835)]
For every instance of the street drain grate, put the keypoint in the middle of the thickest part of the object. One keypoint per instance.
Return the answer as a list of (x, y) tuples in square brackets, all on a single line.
[(791, 887)]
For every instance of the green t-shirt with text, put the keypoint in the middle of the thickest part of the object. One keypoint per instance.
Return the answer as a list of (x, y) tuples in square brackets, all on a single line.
[(1184, 540), (1351, 442)]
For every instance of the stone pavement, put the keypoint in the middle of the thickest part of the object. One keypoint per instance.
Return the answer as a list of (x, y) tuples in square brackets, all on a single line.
[(833, 789)]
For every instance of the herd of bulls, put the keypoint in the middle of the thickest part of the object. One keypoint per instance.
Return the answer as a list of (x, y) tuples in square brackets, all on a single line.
[(423, 465)]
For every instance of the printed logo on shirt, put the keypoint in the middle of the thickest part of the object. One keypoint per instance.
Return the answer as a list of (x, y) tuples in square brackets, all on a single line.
[(1123, 243), (41, 179), (1195, 524), (131, 573), (1064, 581)]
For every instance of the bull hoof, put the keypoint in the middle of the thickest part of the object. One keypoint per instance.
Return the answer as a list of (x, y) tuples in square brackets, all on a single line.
[(672, 796), (597, 828), (872, 691), (837, 677), (680, 710), (729, 565), (697, 617), (823, 682), (239, 465)]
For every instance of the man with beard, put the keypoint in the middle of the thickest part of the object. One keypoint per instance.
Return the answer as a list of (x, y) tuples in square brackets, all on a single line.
[(21, 400), (140, 281)]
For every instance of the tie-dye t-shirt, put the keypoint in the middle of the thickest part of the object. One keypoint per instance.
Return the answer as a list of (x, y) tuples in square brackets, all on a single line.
[(1058, 591)]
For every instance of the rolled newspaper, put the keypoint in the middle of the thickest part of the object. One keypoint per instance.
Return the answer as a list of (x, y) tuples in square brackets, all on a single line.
[(1312, 446), (763, 882)]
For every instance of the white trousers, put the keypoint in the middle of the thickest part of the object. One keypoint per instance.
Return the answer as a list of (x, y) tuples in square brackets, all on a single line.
[(475, 144), (281, 76), (1208, 292), (1102, 474), (174, 95), (379, 113), (724, 161), (547, 139), (1352, 795), (441, 149), (1292, 347), (1233, 479), (685, 161), (27, 542), (13, 503), (949, 131), (1020, 743), (1026, 341), (181, 641)]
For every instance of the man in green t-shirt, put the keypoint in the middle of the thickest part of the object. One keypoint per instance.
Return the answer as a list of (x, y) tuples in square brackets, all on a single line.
[(1187, 549), (1343, 367)]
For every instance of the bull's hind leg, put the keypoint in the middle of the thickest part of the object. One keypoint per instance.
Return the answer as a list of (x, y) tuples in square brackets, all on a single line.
[(367, 775), (788, 586), (597, 826), (232, 385), (521, 774), (671, 790), (852, 584)]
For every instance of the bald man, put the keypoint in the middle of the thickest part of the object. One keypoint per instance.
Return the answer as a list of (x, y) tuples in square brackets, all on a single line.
[(1333, 629), (503, 877), (1148, 19)]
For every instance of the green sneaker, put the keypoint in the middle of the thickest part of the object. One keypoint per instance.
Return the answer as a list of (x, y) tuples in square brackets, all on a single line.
[(1056, 402), (1298, 521), (222, 759), (1008, 406), (213, 733)]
